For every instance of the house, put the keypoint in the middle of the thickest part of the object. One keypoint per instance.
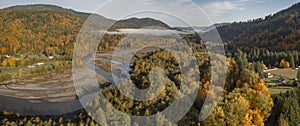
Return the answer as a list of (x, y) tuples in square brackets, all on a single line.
[(40, 64), (268, 75), (31, 66), (51, 57), (284, 82)]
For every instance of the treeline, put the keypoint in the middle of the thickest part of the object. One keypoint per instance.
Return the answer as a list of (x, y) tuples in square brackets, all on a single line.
[(287, 59), (79, 118)]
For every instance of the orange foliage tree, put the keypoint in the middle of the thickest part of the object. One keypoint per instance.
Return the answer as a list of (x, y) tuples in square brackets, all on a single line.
[(284, 64)]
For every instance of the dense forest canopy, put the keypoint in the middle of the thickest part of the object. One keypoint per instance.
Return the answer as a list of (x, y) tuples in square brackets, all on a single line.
[(44, 32)]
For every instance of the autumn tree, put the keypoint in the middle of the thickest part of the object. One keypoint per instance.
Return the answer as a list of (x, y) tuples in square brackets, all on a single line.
[(282, 122), (3, 50), (284, 64), (243, 106), (11, 62), (4, 63)]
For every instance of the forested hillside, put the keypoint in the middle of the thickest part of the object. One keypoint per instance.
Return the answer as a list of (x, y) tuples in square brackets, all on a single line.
[(273, 40), (278, 32), (44, 7), (38, 33)]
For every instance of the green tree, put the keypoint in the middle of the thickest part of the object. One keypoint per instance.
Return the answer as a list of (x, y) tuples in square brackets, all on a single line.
[(298, 75), (241, 59)]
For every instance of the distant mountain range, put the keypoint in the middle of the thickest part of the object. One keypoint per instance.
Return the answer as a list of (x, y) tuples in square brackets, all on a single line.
[(100, 21), (136, 23)]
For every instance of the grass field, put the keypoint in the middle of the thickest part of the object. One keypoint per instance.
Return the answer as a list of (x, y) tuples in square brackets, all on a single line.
[(288, 73), (14, 71), (277, 90)]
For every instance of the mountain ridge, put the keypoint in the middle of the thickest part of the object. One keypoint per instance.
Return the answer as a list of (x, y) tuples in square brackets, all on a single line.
[(138, 23), (46, 7), (277, 32)]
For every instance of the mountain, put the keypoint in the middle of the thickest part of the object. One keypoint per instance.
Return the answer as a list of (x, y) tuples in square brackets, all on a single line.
[(97, 20), (136, 23), (44, 7), (278, 32), (200, 29)]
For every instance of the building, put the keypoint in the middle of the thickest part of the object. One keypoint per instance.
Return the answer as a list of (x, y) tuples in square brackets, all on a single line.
[(284, 82), (268, 75), (31, 66), (51, 57), (40, 64)]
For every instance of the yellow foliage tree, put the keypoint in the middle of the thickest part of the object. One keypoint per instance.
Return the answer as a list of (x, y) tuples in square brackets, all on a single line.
[(261, 87), (3, 50), (4, 63), (11, 62), (243, 106), (216, 119), (255, 118)]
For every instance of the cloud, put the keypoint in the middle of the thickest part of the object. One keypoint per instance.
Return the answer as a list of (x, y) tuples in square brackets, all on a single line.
[(255, 1), (243, 1), (242, 8), (174, 13), (218, 8)]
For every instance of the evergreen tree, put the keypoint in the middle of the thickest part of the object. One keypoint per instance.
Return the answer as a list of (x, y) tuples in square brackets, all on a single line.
[(298, 75), (292, 61)]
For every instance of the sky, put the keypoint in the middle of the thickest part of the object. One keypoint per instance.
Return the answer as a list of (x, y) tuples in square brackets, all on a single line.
[(172, 12)]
